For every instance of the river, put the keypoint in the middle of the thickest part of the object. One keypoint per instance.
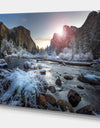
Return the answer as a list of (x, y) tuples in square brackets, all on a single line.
[(89, 95)]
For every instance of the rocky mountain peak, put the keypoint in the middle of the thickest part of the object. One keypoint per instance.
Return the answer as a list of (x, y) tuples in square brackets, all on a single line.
[(58, 42), (19, 35), (85, 39)]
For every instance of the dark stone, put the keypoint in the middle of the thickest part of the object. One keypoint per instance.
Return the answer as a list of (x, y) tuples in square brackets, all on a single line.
[(80, 87), (50, 99), (68, 77), (43, 72), (64, 105), (52, 89), (42, 100), (74, 98), (86, 110), (6, 84), (58, 82)]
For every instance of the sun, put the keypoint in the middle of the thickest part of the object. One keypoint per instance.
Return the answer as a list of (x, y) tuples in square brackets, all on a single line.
[(60, 31)]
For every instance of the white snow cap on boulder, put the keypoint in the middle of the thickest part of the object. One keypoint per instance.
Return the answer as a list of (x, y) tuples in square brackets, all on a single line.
[(28, 65)]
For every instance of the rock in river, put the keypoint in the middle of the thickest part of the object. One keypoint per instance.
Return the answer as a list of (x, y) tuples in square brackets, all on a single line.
[(58, 82), (52, 89), (80, 87), (42, 100), (86, 110), (68, 77), (50, 99), (64, 105), (42, 71), (74, 98), (89, 78)]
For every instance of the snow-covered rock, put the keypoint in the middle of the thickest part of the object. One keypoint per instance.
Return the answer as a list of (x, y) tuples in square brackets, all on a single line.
[(42, 71), (39, 66), (89, 78), (28, 65)]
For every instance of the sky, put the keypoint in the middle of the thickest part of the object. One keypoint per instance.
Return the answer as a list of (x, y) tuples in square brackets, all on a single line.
[(43, 25)]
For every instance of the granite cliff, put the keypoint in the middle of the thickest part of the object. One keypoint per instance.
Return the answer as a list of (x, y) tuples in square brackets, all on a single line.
[(83, 39), (19, 35)]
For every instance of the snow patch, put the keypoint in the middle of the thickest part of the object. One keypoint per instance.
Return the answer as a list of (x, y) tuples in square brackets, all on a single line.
[(92, 77), (23, 88), (69, 55)]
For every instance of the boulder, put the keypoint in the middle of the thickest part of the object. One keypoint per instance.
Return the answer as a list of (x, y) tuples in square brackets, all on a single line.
[(52, 89), (89, 78), (68, 77), (42, 71), (74, 98), (64, 105), (42, 100), (50, 99), (58, 82), (28, 65), (80, 87), (86, 110)]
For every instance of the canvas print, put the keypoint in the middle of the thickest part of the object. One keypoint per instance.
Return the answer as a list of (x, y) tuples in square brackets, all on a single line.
[(51, 61)]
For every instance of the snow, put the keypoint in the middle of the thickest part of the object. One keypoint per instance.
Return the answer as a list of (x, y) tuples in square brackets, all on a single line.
[(78, 63), (24, 86), (92, 77), (8, 49), (39, 66), (43, 70), (2, 61), (28, 65), (67, 54), (64, 62), (3, 65)]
